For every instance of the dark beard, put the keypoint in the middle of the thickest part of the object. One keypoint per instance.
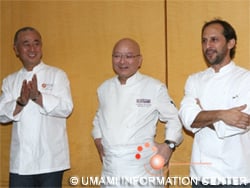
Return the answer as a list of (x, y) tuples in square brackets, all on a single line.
[(219, 58), (217, 61)]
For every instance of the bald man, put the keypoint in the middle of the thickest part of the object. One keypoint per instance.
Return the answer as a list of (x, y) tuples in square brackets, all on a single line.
[(130, 105)]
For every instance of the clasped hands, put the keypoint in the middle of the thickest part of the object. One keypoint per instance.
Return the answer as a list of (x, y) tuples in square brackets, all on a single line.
[(29, 91)]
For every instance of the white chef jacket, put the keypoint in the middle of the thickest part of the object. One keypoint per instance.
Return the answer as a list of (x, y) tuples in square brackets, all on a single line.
[(223, 152), (39, 141), (127, 117)]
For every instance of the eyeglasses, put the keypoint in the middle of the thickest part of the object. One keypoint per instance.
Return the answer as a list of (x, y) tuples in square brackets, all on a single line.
[(128, 57)]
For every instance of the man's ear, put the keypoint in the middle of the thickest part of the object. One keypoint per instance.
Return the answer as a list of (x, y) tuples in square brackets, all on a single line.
[(140, 61), (231, 43), (15, 50)]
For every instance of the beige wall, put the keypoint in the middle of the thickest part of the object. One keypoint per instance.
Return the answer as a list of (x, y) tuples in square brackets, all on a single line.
[(78, 36)]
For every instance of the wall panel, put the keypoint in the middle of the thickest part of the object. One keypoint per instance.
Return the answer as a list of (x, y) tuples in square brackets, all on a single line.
[(184, 22), (78, 36)]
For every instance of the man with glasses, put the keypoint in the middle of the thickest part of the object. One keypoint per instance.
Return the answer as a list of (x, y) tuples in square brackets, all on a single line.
[(130, 105)]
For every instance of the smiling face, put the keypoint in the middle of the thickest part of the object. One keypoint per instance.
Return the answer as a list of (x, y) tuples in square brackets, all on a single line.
[(28, 48), (126, 59)]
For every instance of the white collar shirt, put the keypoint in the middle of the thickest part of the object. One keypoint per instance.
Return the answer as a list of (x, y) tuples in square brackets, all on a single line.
[(127, 118), (223, 152), (39, 141), (128, 114)]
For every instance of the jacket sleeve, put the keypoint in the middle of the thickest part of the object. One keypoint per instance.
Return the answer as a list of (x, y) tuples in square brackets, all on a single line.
[(96, 131), (59, 102), (189, 108), (168, 113), (7, 103)]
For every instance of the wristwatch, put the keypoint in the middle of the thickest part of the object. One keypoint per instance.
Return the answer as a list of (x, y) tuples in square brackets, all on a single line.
[(170, 144)]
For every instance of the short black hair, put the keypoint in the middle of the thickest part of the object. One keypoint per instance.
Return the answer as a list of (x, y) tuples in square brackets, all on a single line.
[(27, 28)]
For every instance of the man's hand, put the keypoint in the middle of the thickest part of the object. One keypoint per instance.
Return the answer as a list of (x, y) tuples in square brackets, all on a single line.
[(235, 117), (232, 117), (23, 99), (33, 91), (98, 144), (164, 151), (24, 94)]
